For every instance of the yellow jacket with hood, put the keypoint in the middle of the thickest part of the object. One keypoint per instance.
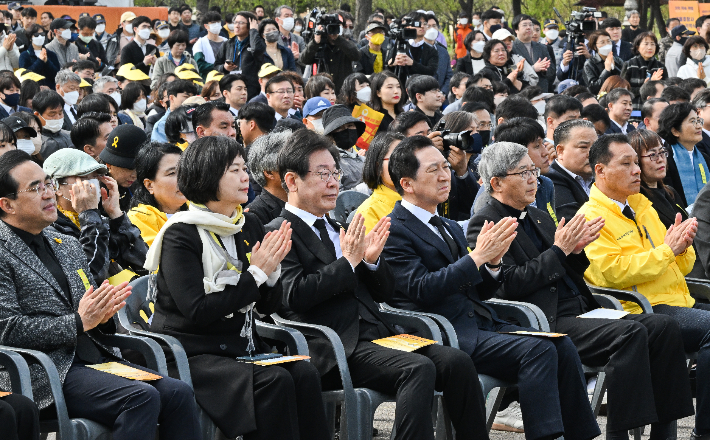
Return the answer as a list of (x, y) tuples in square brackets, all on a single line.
[(635, 258), (149, 220)]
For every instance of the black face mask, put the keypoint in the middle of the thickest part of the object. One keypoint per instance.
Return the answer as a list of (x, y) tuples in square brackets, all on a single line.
[(485, 136), (345, 139)]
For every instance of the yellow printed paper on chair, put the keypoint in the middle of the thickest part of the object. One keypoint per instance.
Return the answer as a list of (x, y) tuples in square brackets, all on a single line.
[(126, 371), (372, 119), (282, 360), (5, 393), (404, 342)]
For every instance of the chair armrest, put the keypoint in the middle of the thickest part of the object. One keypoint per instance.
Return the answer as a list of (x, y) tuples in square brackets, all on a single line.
[(624, 295), (527, 314), (607, 301), (65, 428), (448, 331), (425, 326), (151, 351), (699, 288), (19, 372), (295, 341), (169, 343)]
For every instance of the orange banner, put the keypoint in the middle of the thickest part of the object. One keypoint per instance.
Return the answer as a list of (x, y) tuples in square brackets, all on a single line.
[(704, 9), (686, 12), (112, 15)]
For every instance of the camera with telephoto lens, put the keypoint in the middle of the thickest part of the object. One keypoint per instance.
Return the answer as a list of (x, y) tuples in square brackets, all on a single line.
[(578, 26), (400, 29), (463, 140), (318, 23)]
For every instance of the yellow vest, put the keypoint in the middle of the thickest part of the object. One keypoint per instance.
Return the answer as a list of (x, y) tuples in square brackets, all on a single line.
[(378, 205)]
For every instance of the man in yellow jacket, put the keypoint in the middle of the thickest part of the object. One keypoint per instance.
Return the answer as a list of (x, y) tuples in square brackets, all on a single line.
[(636, 252)]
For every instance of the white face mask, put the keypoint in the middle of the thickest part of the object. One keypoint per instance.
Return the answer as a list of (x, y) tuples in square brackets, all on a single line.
[(37, 141), (26, 145), (476, 22), (478, 46), (215, 28), (54, 125), (288, 24), (540, 107), (498, 99), (139, 106), (318, 126), (38, 41), (144, 34), (116, 97), (71, 98), (463, 21), (164, 33), (66, 34), (363, 95), (552, 34), (100, 28), (298, 28), (230, 26), (97, 187), (431, 34), (697, 54), (129, 28), (605, 50)]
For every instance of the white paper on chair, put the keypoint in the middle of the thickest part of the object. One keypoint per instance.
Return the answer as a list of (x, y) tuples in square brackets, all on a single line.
[(604, 314)]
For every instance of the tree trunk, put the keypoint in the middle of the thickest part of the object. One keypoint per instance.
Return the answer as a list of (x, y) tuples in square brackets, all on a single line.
[(656, 7), (466, 6), (363, 9), (517, 9), (203, 6)]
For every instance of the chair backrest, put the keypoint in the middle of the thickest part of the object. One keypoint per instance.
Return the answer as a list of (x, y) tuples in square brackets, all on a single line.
[(347, 202), (139, 310)]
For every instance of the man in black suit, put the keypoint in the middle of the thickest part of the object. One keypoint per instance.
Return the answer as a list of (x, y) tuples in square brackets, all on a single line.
[(334, 278), (641, 354), (570, 172), (536, 54), (622, 49), (620, 105), (435, 273), (138, 52)]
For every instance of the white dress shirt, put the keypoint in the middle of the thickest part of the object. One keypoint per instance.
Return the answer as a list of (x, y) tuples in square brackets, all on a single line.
[(67, 110), (622, 127), (585, 184)]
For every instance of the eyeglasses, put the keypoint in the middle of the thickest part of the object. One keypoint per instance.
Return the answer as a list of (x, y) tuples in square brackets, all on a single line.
[(326, 175), (284, 92), (697, 122), (484, 126), (41, 188), (656, 155), (240, 23), (527, 174)]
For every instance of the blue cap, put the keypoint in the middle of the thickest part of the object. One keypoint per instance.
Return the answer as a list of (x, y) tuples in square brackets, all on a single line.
[(315, 105), (564, 85)]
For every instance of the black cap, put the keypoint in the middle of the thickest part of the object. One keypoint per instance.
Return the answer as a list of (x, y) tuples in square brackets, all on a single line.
[(550, 23), (288, 124), (123, 145), (15, 6), (59, 23), (338, 115), (680, 30), (16, 124)]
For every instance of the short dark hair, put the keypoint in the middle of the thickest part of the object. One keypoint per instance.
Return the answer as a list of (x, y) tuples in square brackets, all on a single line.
[(47, 99), (177, 36), (96, 102), (701, 20), (348, 94), (670, 20), (182, 86), (28, 90), (458, 77), (316, 85), (522, 131), (179, 121), (140, 20), (227, 80), (515, 106), (616, 94), (295, 156), (479, 94), (83, 65), (675, 93), (246, 14), (592, 42), (610, 22), (203, 165), (131, 94), (491, 14), (403, 162), (639, 39), (262, 114), (406, 120), (469, 39), (422, 84), (647, 107), (8, 81), (173, 8), (649, 89), (147, 163), (203, 113), (599, 152), (8, 162), (211, 17), (691, 84), (185, 7), (487, 49), (374, 159), (575, 90), (471, 107), (564, 130), (584, 96), (86, 130), (673, 117), (86, 22), (692, 41), (263, 23), (29, 12), (275, 80), (594, 113), (560, 104), (518, 18)]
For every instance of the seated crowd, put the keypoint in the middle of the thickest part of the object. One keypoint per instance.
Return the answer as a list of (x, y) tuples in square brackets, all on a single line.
[(212, 159)]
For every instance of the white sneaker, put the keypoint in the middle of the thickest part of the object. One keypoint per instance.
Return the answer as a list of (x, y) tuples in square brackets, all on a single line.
[(509, 419)]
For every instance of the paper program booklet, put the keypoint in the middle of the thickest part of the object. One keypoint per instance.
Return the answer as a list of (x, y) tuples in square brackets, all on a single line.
[(404, 342), (126, 371)]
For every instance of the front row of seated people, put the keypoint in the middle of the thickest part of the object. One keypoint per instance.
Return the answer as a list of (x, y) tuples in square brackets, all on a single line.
[(217, 266)]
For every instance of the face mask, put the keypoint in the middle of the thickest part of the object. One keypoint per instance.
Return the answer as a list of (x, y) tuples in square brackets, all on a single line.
[(215, 28), (377, 39), (66, 34), (230, 26), (38, 41), (552, 34), (431, 34), (476, 144), (37, 142), (298, 28), (100, 28), (164, 33), (363, 95), (129, 28), (605, 50), (478, 46), (271, 37), (463, 21), (540, 107), (26, 145), (85, 39), (697, 54), (54, 125), (476, 22), (287, 24), (498, 99), (485, 137), (74, 36), (97, 187), (345, 139), (318, 125), (139, 106), (12, 99), (348, 32), (144, 34), (71, 98), (116, 97)]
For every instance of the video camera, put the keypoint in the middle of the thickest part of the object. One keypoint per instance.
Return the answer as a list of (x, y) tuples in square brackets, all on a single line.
[(577, 26), (399, 29), (318, 23)]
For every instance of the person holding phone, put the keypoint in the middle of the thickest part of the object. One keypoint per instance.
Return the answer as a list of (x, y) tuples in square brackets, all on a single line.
[(244, 53), (139, 52)]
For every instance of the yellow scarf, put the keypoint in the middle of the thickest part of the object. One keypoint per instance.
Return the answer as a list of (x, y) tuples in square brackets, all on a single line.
[(377, 65), (71, 215)]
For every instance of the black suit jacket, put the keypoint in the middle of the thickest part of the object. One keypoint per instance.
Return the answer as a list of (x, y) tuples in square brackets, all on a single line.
[(530, 275), (132, 53), (266, 206), (673, 176), (318, 289), (569, 194), (429, 279), (626, 50), (704, 145), (539, 52), (615, 129)]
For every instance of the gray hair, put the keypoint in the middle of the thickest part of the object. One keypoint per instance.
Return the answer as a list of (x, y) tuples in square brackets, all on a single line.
[(277, 11), (263, 154), (66, 76), (100, 83), (499, 158), (632, 12)]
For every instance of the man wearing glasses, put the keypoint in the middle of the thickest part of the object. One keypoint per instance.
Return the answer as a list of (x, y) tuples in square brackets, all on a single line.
[(279, 94), (243, 53)]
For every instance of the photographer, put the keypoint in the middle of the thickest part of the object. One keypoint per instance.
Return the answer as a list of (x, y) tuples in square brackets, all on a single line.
[(328, 46), (412, 56)]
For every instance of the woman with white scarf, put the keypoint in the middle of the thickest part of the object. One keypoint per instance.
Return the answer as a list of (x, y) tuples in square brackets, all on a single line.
[(215, 267)]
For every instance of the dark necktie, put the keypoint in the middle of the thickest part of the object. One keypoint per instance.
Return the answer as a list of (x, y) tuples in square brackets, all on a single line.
[(439, 225), (324, 237), (73, 112), (628, 213)]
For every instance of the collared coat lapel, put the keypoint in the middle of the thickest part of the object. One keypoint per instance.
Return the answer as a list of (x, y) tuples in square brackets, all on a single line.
[(421, 230), (306, 233)]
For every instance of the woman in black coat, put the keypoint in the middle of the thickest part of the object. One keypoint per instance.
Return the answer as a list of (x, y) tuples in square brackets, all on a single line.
[(599, 67), (216, 268), (500, 67), (473, 62), (644, 66)]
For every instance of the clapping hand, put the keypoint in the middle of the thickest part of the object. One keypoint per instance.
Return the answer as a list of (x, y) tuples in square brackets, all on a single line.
[(97, 306), (541, 64), (591, 232), (493, 241), (268, 253), (9, 41), (569, 234), (353, 243), (376, 239)]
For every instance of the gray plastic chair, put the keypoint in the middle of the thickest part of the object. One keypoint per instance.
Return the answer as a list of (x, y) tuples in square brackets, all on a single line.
[(16, 366), (359, 404), (347, 203)]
